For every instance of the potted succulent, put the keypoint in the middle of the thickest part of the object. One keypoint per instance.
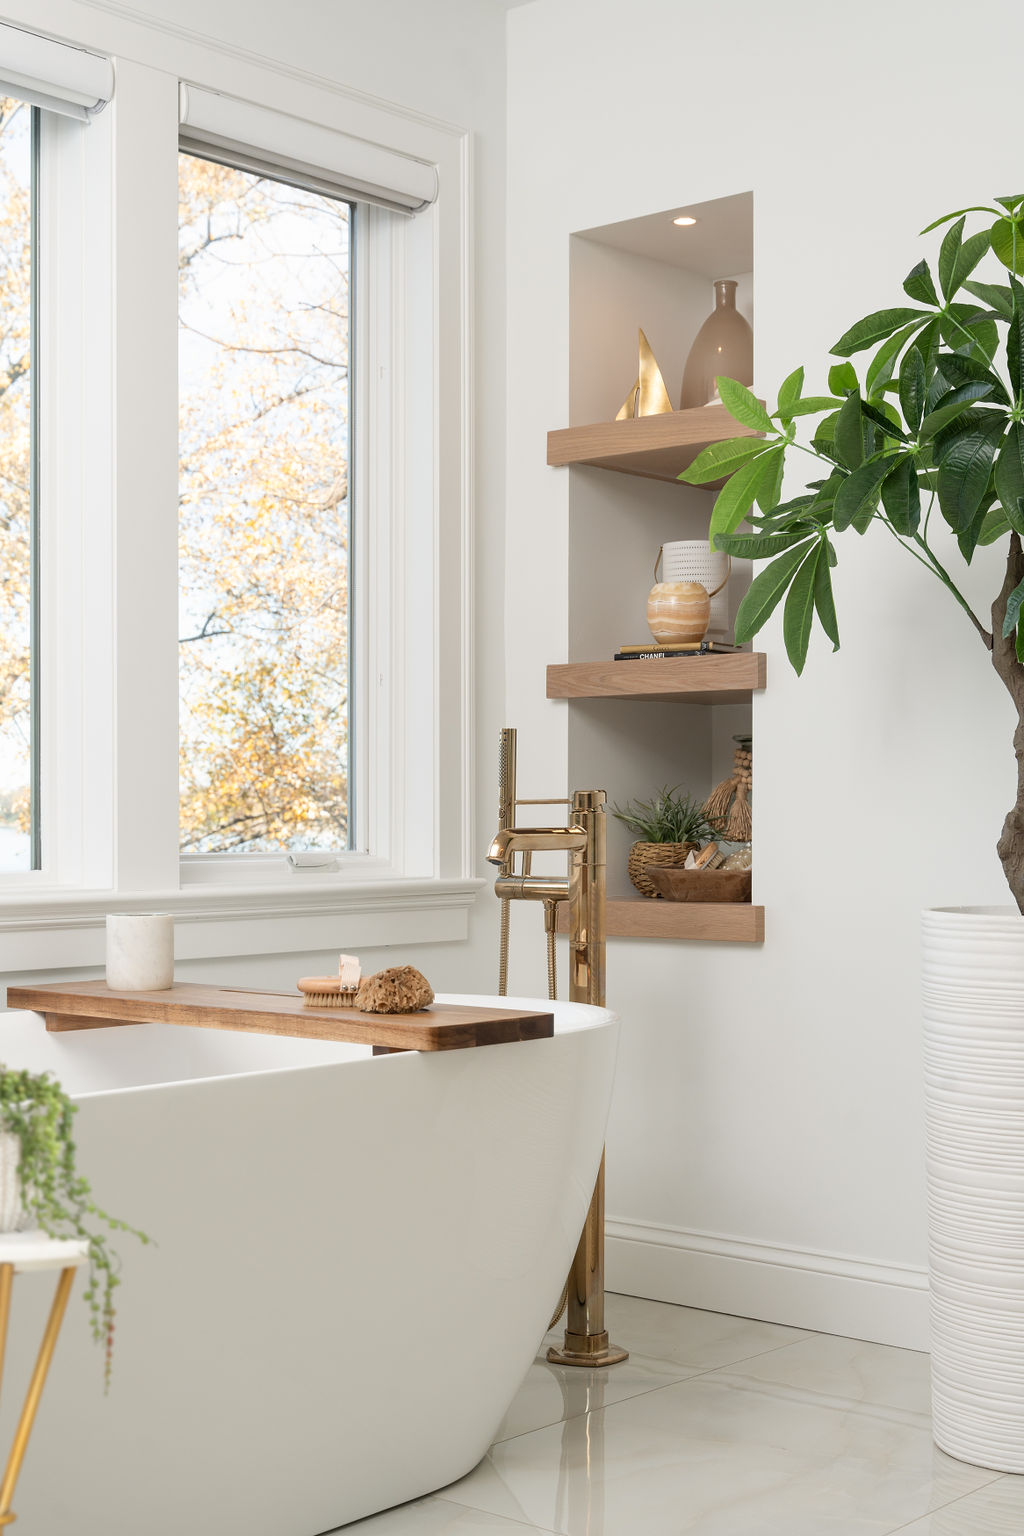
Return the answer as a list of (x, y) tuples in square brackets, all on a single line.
[(926, 441), (669, 826), (40, 1185)]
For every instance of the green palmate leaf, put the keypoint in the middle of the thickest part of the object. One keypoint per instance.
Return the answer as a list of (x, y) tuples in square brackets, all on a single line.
[(967, 329), (875, 327), (842, 378), (918, 284), (720, 459), (849, 433), (765, 592), (968, 256), (833, 558), (824, 601), (928, 343), (736, 497), (1010, 203), (886, 419), (951, 405), (947, 216), (1009, 475), (965, 470), (811, 404), (1007, 237), (789, 394), (969, 538), (880, 369), (913, 388), (901, 497), (860, 491), (1019, 645), (769, 487), (744, 406), (1013, 607), (758, 546), (948, 253), (995, 526), (799, 611), (996, 295), (958, 368), (1015, 339)]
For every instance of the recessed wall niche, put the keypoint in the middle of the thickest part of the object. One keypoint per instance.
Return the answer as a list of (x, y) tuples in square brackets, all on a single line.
[(652, 274)]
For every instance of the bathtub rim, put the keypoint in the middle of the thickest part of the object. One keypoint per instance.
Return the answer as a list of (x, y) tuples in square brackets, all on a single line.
[(577, 1018)]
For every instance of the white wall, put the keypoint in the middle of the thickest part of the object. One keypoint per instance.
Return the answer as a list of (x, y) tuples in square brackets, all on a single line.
[(766, 1151)]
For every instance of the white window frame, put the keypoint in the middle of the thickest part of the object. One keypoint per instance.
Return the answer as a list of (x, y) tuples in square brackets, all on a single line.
[(109, 531)]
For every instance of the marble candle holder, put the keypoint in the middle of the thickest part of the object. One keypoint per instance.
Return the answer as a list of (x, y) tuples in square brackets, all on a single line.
[(140, 951)]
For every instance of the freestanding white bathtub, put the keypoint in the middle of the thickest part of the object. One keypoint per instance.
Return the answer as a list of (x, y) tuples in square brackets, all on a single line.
[(358, 1257)]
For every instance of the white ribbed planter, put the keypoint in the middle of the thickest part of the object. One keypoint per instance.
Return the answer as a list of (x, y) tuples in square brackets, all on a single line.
[(974, 1072)]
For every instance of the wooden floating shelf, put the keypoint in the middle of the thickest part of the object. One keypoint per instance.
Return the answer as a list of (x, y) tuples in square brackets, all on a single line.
[(725, 679), (654, 447), (714, 922)]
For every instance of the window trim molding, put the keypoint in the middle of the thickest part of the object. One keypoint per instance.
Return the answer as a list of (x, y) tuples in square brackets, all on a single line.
[(151, 58)]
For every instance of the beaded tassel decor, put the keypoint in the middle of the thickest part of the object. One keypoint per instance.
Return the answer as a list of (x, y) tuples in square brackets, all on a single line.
[(728, 805)]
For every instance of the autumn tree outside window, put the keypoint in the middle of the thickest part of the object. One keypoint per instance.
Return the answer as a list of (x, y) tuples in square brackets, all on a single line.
[(264, 351)]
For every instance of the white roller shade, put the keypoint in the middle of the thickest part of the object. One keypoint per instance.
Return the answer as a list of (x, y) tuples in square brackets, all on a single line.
[(274, 144), (53, 75)]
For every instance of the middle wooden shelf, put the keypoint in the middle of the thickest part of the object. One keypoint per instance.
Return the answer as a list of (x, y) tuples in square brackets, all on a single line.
[(726, 679)]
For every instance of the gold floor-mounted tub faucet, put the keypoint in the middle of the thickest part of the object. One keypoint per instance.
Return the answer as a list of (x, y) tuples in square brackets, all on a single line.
[(584, 840)]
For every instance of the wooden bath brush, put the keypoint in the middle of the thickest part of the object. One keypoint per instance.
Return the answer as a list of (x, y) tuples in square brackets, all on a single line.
[(333, 991)]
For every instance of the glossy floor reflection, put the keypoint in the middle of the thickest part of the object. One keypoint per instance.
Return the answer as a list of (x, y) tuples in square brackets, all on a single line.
[(725, 1427)]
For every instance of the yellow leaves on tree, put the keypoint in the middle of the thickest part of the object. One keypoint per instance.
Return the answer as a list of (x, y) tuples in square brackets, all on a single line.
[(263, 513), (15, 464)]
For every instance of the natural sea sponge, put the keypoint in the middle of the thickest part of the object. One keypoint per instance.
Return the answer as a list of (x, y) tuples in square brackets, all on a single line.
[(401, 989)]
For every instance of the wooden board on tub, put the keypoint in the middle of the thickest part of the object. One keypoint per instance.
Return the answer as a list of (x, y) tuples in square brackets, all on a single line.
[(441, 1027)]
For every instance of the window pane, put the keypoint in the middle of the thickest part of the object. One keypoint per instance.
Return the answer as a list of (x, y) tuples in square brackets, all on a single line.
[(18, 833), (264, 513)]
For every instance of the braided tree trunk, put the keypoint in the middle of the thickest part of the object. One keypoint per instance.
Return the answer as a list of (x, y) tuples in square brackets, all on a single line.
[(1004, 658)]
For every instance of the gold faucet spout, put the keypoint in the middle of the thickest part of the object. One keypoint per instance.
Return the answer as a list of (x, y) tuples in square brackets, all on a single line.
[(511, 840)]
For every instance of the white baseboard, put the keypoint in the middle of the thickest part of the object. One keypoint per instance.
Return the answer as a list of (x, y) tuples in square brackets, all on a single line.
[(826, 1292)]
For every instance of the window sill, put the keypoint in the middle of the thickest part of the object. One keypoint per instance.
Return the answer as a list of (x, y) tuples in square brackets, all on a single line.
[(57, 930)]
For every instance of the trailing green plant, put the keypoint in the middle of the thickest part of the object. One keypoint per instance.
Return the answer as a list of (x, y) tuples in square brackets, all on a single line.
[(668, 817), (934, 421), (54, 1194)]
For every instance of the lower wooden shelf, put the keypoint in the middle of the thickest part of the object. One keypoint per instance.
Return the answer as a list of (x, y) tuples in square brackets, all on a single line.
[(640, 917)]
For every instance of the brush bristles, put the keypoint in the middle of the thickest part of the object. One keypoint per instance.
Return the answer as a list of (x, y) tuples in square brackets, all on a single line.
[(330, 999)]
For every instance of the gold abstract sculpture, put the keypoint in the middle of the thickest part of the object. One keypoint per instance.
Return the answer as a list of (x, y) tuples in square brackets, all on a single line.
[(648, 397)]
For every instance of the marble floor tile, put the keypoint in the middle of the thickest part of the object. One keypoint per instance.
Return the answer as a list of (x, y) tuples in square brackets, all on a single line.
[(997, 1510), (702, 1340), (551, 1393), (437, 1517), (722, 1458), (845, 1368)]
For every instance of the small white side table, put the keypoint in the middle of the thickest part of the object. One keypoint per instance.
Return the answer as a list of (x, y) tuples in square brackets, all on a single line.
[(21, 1252)]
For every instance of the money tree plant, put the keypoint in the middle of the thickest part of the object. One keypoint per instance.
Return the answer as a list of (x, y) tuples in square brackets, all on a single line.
[(925, 441)]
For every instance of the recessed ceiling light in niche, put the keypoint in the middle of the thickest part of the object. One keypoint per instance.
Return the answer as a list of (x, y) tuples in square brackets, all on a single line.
[(683, 219)]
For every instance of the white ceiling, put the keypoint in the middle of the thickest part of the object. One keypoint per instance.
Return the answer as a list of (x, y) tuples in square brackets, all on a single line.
[(720, 244)]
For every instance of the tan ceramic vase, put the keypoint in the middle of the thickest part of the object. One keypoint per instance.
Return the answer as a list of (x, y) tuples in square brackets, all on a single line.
[(678, 612), (724, 346)]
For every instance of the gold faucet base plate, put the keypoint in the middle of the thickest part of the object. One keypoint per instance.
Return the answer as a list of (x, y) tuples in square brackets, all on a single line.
[(609, 1354)]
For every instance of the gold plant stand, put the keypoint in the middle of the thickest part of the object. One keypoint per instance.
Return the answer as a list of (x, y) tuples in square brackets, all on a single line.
[(21, 1252)]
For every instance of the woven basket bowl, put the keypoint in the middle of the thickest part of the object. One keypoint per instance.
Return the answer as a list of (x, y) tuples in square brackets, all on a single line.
[(662, 855)]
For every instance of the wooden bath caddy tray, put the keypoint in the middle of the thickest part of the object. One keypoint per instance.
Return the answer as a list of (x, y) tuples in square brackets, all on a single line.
[(441, 1027)]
